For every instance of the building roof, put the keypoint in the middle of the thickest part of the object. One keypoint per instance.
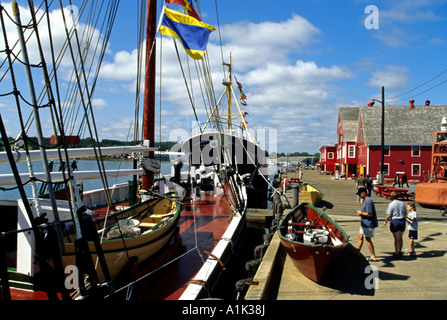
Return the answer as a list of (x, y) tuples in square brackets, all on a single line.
[(349, 117), (349, 113), (403, 125), (326, 146), (350, 129)]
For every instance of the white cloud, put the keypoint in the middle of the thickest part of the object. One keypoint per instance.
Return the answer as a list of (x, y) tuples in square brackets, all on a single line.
[(254, 44), (100, 104), (393, 77), (404, 23)]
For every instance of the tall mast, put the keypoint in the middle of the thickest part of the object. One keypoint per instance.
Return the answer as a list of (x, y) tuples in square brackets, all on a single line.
[(228, 84), (149, 90)]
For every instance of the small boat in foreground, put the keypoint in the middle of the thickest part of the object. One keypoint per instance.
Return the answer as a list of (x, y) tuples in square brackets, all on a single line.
[(311, 239), (310, 194)]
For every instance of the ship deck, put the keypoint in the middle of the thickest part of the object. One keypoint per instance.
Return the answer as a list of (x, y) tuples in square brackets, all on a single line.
[(202, 224)]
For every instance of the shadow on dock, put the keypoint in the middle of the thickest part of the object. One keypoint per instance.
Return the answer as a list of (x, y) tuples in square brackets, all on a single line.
[(347, 274)]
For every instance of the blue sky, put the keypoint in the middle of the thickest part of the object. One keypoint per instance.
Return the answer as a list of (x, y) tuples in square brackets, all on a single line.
[(299, 61)]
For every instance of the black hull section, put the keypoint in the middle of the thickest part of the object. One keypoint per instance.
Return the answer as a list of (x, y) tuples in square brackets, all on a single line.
[(236, 153)]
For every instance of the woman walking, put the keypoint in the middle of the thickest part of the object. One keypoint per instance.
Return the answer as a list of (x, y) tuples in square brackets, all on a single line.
[(396, 212)]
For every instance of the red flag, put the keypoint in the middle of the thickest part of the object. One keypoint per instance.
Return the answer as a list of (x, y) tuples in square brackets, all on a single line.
[(187, 6)]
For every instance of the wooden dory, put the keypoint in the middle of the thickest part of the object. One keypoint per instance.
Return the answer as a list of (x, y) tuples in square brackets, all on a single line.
[(311, 239), (310, 194), (155, 220)]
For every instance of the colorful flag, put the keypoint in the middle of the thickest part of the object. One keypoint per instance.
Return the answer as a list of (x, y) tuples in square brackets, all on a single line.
[(187, 6), (193, 34), (239, 85)]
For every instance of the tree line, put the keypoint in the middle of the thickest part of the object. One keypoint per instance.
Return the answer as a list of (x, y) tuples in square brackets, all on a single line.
[(163, 146), (86, 143)]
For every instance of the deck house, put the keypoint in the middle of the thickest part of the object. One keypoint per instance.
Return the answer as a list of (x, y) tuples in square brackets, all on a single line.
[(408, 140)]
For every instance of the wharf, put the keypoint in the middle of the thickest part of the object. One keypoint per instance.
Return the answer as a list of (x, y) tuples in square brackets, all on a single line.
[(420, 277)]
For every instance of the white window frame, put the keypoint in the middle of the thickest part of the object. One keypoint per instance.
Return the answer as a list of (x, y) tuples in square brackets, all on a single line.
[(412, 152), (413, 165), (386, 169), (351, 150), (330, 155)]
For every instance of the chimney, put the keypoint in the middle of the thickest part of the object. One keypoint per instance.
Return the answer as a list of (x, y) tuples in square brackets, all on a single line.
[(444, 124), (427, 103), (411, 104)]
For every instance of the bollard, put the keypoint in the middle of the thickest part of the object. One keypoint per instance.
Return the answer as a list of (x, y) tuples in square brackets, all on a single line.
[(296, 196)]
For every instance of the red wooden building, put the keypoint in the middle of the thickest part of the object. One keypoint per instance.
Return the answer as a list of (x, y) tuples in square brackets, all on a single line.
[(328, 158), (347, 126), (408, 140)]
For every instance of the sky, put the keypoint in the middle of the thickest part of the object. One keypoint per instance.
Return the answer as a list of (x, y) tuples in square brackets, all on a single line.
[(299, 62)]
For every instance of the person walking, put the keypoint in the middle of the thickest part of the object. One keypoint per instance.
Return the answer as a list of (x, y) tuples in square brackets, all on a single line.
[(361, 183), (396, 181), (396, 212), (368, 222), (405, 180), (412, 223), (369, 185)]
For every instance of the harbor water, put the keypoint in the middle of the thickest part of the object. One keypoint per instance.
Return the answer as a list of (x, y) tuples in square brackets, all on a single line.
[(83, 165)]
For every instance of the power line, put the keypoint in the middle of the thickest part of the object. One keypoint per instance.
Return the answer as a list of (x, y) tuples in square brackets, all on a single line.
[(428, 81)]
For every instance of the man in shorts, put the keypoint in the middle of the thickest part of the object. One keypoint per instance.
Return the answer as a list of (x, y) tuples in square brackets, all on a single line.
[(368, 222)]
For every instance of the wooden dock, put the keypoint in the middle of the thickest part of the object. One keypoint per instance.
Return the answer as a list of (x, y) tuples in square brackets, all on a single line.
[(352, 277)]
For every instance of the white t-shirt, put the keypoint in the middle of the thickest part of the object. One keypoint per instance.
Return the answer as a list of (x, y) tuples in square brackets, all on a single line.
[(396, 210), (413, 225)]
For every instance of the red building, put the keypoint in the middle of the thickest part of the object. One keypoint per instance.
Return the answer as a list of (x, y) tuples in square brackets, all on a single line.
[(347, 126), (408, 140), (328, 158)]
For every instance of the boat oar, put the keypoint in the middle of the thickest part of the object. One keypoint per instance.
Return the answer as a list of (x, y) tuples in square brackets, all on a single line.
[(333, 237)]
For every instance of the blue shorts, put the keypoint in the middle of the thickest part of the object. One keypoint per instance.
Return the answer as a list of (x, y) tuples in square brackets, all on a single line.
[(397, 225), (412, 234)]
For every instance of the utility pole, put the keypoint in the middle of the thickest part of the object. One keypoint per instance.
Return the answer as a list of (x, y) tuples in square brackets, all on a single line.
[(382, 146)]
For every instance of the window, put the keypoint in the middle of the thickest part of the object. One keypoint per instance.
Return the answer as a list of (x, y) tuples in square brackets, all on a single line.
[(330, 155), (386, 169), (351, 152), (386, 151), (415, 151), (416, 170)]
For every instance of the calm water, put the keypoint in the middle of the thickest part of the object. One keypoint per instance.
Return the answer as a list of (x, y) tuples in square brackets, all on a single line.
[(83, 165)]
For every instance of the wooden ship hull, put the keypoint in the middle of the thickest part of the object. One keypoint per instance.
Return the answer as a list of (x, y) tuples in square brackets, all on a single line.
[(310, 194), (311, 255), (216, 148), (144, 229)]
